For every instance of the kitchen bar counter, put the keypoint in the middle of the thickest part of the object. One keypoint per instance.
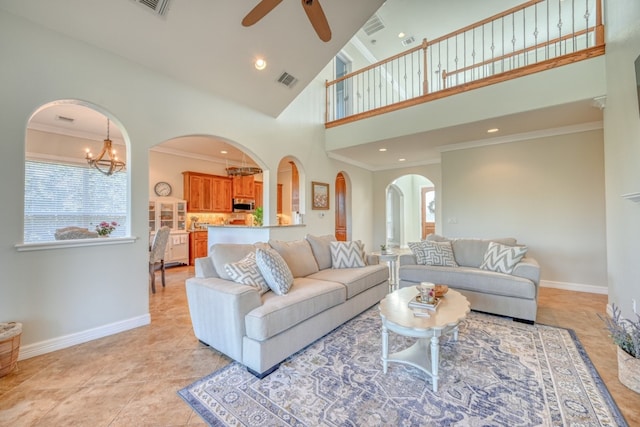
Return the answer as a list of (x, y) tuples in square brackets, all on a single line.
[(253, 234)]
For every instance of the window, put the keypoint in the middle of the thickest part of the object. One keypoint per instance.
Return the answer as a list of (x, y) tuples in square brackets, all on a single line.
[(343, 107), (60, 195)]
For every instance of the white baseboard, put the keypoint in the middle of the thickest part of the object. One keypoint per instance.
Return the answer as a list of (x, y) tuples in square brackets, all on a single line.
[(54, 344), (577, 287)]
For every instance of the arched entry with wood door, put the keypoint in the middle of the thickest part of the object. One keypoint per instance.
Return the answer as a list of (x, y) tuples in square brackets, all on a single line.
[(410, 210), (341, 208)]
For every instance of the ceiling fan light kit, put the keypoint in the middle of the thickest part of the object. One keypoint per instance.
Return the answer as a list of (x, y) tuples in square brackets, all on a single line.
[(311, 7)]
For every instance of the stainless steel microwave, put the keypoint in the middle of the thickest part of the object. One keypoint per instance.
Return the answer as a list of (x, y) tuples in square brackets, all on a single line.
[(244, 205)]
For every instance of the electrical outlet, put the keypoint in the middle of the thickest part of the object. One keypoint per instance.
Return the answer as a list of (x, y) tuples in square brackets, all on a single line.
[(633, 303)]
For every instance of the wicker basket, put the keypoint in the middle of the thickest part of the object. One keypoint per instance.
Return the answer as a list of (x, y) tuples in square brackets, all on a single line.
[(10, 334)]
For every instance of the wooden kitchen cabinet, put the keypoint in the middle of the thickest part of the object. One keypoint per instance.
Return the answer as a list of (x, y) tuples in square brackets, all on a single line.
[(207, 193), (198, 245), (222, 200), (243, 187), (258, 187)]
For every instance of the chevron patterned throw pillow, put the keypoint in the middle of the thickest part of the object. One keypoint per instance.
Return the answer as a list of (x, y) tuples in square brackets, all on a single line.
[(346, 255), (246, 272), (502, 258), (275, 270), (429, 252)]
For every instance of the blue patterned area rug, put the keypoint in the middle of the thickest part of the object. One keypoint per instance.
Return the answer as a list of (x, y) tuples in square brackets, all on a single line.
[(498, 373)]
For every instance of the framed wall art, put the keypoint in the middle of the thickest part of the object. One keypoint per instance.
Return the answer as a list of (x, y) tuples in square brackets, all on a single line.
[(319, 195)]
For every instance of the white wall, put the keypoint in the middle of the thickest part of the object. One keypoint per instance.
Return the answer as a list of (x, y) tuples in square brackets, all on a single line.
[(546, 192), (60, 294), (622, 152)]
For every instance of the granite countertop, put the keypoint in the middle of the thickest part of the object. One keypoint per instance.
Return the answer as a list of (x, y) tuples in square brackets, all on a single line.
[(254, 226)]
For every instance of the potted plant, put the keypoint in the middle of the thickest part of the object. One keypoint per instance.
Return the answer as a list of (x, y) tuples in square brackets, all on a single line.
[(257, 216), (383, 249), (625, 334)]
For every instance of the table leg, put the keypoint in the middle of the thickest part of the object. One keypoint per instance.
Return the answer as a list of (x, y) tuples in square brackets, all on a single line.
[(435, 353), (385, 348)]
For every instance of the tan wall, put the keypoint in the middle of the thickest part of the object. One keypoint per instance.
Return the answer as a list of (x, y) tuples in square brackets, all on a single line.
[(546, 192)]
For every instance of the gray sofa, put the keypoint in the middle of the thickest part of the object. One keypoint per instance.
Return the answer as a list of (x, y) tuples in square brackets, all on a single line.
[(260, 331), (514, 295)]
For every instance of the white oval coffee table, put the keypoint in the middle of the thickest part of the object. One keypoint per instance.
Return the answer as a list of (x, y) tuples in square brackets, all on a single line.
[(397, 317)]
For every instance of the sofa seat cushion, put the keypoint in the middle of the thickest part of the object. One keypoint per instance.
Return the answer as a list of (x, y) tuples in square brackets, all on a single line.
[(306, 298), (355, 280), (472, 279)]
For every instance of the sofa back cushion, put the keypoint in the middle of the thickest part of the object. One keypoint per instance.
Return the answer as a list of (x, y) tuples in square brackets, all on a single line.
[(321, 248), (298, 256), (470, 252)]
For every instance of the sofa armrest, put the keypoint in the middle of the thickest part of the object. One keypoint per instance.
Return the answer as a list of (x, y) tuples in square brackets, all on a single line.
[(529, 269), (218, 308), (205, 268)]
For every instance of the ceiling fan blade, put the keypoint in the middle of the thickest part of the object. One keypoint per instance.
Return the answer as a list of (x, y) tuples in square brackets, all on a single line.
[(258, 12), (317, 18)]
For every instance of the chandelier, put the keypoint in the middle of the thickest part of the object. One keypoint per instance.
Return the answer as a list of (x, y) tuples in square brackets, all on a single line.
[(107, 162)]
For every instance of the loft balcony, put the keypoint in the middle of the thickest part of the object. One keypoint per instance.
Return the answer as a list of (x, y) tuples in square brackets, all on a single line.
[(536, 36)]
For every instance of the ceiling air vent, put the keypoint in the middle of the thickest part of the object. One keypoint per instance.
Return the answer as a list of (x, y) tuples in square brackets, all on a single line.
[(159, 7), (287, 79), (409, 40), (373, 25)]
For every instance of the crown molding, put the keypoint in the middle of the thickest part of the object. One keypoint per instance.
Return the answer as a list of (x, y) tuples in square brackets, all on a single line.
[(545, 133)]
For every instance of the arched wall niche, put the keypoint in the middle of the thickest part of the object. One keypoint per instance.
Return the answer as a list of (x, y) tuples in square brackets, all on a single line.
[(291, 184)]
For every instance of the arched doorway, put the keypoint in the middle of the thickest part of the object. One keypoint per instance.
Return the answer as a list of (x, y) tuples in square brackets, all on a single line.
[(410, 210)]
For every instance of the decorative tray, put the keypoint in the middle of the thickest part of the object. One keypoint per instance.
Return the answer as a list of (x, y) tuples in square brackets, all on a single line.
[(417, 302)]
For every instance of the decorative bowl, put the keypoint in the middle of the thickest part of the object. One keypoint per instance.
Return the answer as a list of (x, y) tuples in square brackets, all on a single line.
[(441, 290)]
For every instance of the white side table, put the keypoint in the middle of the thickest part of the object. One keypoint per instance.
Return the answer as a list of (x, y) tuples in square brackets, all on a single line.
[(392, 259)]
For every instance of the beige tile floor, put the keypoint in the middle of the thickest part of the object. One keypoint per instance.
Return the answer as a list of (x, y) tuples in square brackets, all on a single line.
[(131, 379)]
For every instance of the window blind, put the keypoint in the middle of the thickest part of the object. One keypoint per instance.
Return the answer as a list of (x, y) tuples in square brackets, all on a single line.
[(61, 195)]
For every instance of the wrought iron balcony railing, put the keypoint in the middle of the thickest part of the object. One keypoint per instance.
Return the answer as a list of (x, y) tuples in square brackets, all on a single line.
[(535, 36)]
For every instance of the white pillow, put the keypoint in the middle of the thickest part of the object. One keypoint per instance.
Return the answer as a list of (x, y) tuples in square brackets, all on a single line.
[(246, 272), (429, 252), (346, 255), (502, 258), (274, 270)]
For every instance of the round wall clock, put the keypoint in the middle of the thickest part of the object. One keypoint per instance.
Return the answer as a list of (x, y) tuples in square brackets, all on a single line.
[(162, 189)]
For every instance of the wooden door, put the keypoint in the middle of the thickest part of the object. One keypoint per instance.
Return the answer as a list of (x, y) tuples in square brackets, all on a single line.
[(295, 189), (341, 208), (428, 211)]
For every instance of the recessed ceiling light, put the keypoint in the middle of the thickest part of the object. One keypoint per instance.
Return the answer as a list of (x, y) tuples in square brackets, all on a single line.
[(382, 149), (493, 130), (402, 160), (401, 34), (260, 64), (223, 151)]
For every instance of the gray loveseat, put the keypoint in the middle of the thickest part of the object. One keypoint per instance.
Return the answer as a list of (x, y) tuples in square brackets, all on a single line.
[(511, 294), (261, 330)]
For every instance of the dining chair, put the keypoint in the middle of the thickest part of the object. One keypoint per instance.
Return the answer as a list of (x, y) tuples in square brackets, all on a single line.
[(156, 255)]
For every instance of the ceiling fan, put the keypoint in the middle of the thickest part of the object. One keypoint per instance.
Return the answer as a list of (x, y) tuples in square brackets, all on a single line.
[(311, 7)]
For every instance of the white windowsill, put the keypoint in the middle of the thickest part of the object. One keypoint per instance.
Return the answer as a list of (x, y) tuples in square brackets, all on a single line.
[(63, 244)]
